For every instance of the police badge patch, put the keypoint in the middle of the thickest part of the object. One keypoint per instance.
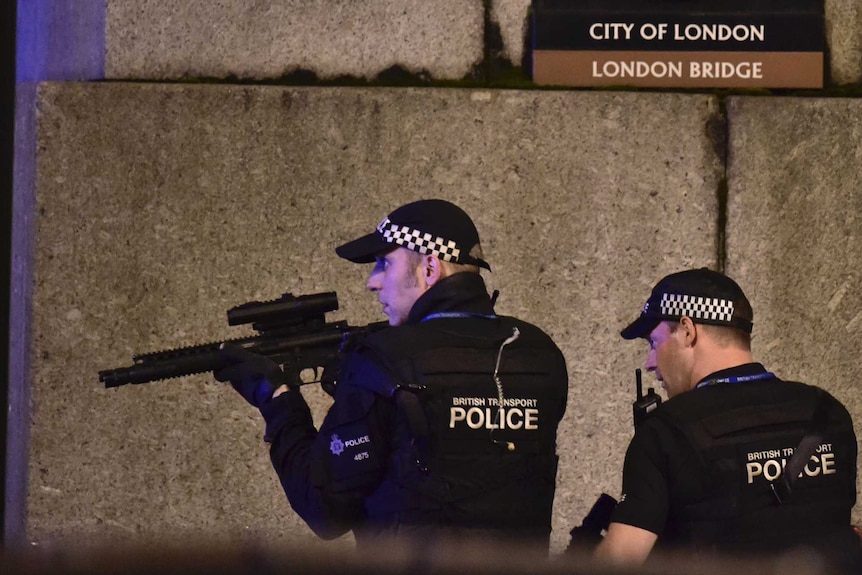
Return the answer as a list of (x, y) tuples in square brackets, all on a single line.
[(336, 446)]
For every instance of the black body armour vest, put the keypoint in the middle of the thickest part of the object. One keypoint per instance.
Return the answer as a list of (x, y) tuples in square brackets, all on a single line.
[(461, 460), (743, 435)]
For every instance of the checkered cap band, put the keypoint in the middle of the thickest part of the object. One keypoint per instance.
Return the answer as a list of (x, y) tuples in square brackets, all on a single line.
[(418, 241), (705, 308)]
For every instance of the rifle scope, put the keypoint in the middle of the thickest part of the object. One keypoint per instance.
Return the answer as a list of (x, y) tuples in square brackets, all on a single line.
[(287, 308)]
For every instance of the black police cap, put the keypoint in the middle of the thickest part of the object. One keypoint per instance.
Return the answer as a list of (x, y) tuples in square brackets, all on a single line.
[(434, 227), (703, 295)]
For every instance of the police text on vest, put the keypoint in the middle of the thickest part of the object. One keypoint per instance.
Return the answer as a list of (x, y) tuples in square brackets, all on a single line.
[(494, 417), (770, 463)]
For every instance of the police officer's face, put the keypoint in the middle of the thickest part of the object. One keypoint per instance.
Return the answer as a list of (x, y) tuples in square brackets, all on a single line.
[(669, 359), (398, 280)]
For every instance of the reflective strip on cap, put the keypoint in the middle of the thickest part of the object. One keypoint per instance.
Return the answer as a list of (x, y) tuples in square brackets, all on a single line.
[(707, 308), (419, 241)]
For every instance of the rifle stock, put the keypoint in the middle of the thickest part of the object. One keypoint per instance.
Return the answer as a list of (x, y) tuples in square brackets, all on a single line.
[(591, 531), (292, 331)]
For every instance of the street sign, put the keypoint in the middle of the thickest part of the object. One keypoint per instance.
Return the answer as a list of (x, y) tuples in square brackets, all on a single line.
[(679, 43)]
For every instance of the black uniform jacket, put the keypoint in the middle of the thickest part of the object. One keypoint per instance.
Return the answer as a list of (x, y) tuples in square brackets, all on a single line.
[(418, 440), (701, 469)]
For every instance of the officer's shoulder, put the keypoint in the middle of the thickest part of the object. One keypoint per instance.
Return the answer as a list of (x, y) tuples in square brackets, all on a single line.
[(708, 401), (409, 339), (528, 331), (806, 390), (815, 391), (365, 370), (389, 341)]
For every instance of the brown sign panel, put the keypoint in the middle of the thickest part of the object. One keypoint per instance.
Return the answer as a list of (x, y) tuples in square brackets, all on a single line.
[(678, 69)]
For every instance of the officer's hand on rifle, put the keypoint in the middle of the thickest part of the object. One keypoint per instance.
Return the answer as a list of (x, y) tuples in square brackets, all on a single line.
[(254, 376)]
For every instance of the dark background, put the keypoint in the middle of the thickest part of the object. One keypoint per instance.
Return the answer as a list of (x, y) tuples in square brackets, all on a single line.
[(8, 11)]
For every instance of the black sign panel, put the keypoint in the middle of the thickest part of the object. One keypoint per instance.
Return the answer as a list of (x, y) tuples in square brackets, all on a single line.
[(679, 43)]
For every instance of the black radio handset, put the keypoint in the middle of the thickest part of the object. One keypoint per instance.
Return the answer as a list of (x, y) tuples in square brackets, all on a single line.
[(644, 404)]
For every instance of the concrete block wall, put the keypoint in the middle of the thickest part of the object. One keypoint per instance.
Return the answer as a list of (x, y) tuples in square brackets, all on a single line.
[(793, 234), (162, 40), (202, 197), (144, 210), (156, 40)]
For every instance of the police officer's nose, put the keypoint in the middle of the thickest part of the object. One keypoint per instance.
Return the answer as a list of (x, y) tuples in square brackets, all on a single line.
[(650, 363), (373, 283)]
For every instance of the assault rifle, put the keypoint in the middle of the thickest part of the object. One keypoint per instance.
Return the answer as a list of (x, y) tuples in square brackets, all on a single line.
[(292, 331)]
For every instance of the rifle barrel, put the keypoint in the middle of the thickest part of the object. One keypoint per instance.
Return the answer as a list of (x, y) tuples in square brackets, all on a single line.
[(178, 366), (203, 358)]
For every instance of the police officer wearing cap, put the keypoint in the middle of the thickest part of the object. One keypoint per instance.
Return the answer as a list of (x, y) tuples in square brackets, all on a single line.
[(703, 472), (443, 423)]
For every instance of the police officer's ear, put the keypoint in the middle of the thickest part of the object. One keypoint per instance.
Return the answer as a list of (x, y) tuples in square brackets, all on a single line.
[(688, 331), (432, 270)]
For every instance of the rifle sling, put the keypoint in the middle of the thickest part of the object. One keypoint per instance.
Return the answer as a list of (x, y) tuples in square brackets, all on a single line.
[(782, 488)]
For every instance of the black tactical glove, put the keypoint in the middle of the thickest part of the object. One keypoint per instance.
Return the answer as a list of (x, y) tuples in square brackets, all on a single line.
[(253, 376)]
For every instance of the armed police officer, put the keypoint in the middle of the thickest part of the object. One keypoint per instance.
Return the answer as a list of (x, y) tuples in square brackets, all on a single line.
[(703, 473), (443, 423)]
